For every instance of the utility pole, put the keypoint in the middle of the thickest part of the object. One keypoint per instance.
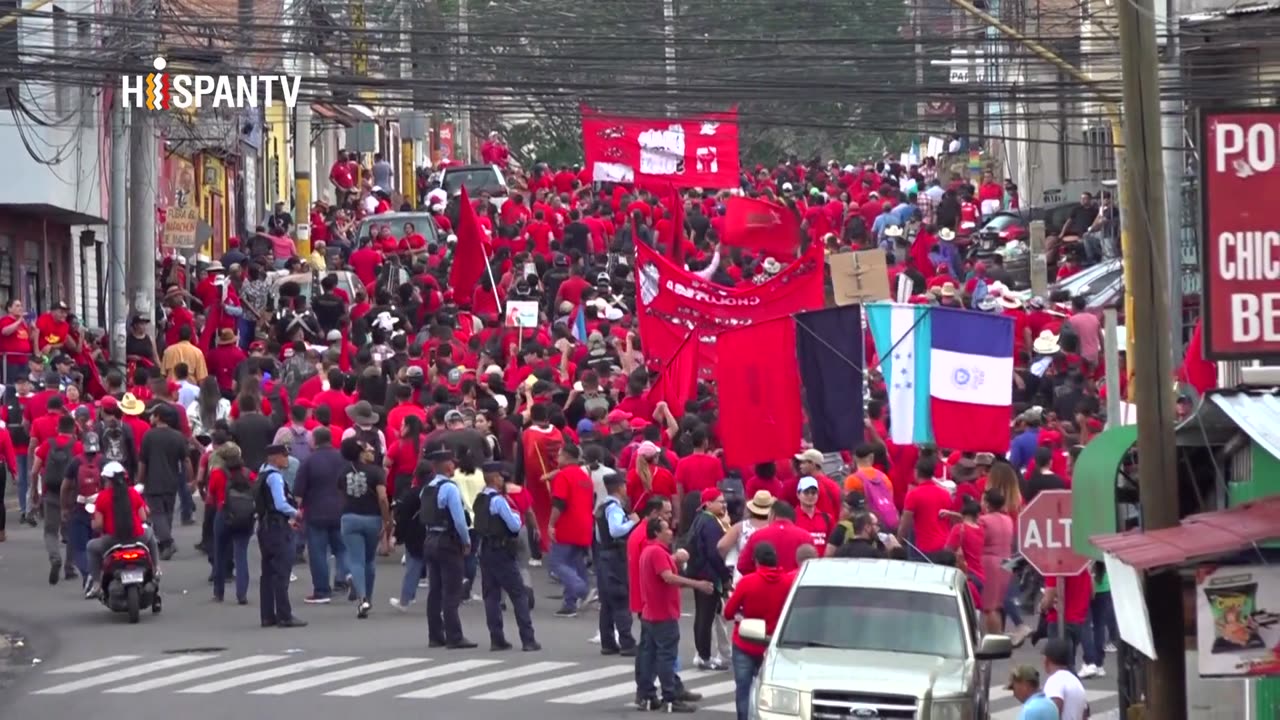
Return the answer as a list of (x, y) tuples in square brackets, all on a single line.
[(143, 182), (1172, 114), (118, 232), (302, 162), (669, 51), (1150, 360), (464, 111)]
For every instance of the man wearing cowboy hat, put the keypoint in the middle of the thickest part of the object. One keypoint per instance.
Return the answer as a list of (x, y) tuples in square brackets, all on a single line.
[(445, 550), (363, 420)]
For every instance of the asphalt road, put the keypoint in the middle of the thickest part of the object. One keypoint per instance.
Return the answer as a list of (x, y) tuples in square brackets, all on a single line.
[(79, 659)]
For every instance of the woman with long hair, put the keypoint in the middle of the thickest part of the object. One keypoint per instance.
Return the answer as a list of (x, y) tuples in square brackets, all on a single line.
[(208, 408), (365, 513), (998, 531), (1003, 479), (402, 457), (649, 478), (486, 423)]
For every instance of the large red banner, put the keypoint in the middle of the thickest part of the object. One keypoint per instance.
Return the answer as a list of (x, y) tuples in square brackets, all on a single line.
[(699, 151), (673, 301), (1240, 254)]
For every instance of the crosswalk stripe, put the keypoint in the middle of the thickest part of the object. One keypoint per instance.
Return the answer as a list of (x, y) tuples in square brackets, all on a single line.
[(723, 707), (92, 665), (480, 680), (264, 675), (714, 689), (122, 674), (555, 683), (338, 675), (622, 689), (373, 686), (196, 674)]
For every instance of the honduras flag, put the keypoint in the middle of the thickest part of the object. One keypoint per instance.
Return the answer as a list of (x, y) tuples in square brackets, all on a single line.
[(580, 325), (902, 335)]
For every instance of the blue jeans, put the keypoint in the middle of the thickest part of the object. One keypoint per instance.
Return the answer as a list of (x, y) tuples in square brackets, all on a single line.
[(745, 668), (24, 482), (413, 569), (79, 532), (569, 563), (1101, 623), (1011, 611), (322, 540), (186, 503), (360, 534), (656, 656), (229, 545)]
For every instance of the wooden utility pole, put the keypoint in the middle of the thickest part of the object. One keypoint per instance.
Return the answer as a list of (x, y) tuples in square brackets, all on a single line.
[(1150, 360)]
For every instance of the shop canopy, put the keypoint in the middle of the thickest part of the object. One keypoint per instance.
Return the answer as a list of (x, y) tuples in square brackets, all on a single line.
[(1204, 535)]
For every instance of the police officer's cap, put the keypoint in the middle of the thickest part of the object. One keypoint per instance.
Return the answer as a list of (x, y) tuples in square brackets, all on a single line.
[(496, 467), (437, 452)]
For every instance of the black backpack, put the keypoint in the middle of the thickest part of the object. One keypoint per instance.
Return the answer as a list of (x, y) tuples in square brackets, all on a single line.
[(56, 464), (240, 506)]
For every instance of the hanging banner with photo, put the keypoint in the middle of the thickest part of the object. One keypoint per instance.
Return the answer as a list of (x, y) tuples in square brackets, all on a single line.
[(1238, 620), (698, 151)]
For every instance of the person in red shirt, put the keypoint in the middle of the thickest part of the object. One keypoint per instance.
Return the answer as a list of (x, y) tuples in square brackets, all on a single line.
[(660, 584), (637, 541), (230, 547), (541, 443), (15, 341), (571, 526), (179, 317), (223, 360), (1077, 594), (809, 518), (573, 286), (782, 533), (365, 262), (648, 478), (343, 176), (809, 463), (53, 332), (920, 512), (108, 512), (413, 240), (757, 596), (697, 471)]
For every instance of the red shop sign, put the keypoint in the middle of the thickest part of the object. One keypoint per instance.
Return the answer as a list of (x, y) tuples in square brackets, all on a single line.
[(1240, 252)]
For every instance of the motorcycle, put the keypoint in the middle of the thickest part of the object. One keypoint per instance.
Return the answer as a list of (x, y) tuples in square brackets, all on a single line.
[(129, 582)]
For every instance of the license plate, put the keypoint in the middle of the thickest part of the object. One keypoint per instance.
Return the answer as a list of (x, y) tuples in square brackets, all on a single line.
[(129, 577)]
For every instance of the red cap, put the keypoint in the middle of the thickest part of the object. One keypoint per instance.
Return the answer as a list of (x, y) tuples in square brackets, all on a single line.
[(710, 494), (108, 402)]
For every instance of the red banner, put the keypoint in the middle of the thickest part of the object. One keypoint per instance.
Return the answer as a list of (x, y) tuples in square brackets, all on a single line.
[(758, 224), (700, 151), (1240, 255), (672, 301), (759, 393)]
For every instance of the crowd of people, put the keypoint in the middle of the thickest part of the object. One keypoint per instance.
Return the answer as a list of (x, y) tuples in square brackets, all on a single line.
[(341, 422)]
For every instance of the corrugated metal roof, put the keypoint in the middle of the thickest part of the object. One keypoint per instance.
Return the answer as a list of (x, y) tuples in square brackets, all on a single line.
[(1230, 12), (1199, 536), (1257, 414)]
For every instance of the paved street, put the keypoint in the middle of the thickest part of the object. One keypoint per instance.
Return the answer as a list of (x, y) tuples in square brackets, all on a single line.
[(196, 650)]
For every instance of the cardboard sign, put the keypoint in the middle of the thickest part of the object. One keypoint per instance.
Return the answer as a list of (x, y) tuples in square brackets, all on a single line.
[(859, 277), (522, 313)]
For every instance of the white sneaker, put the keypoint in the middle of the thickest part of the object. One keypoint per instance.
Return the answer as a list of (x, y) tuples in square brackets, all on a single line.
[(595, 639), (1019, 635), (402, 558), (1087, 671), (718, 663), (592, 596), (293, 577), (535, 563), (1102, 672), (402, 607), (422, 583), (700, 664), (1111, 647)]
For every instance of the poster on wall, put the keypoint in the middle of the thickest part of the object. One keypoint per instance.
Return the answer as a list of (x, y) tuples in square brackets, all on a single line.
[(1238, 620), (181, 211)]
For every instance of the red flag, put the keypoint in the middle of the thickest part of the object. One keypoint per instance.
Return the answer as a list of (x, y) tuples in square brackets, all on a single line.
[(1196, 371), (759, 392), (676, 251), (761, 225), (468, 254), (678, 382)]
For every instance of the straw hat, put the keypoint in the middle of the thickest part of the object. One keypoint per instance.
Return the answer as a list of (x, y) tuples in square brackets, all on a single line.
[(772, 266), (226, 336), (1046, 344), (131, 405), (1010, 301), (893, 231), (946, 234), (948, 290), (761, 503)]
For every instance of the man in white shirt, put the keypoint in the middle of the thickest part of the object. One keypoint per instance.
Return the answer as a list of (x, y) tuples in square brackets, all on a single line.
[(1061, 685)]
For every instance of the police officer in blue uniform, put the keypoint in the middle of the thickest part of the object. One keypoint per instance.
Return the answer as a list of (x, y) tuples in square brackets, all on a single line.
[(445, 550), (277, 519), (612, 528), (497, 530)]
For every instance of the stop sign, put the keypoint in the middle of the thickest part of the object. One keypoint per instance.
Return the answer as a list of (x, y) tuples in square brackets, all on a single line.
[(1044, 535)]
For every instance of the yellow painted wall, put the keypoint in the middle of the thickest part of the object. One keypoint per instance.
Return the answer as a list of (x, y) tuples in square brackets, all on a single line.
[(213, 182), (279, 168)]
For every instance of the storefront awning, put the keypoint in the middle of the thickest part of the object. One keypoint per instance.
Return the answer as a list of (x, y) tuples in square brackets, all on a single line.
[(1093, 487), (1198, 536), (52, 213), (336, 113)]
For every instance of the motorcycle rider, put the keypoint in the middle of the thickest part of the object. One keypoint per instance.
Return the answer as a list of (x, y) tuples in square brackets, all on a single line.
[(119, 513)]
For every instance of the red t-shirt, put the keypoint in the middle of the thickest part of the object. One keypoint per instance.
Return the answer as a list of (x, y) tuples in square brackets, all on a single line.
[(16, 347), (103, 504), (698, 472), (785, 536), (760, 596), (1078, 594), (573, 486), (637, 541), (50, 331), (364, 263), (756, 484), (923, 502), (663, 484), (819, 525), (659, 599)]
